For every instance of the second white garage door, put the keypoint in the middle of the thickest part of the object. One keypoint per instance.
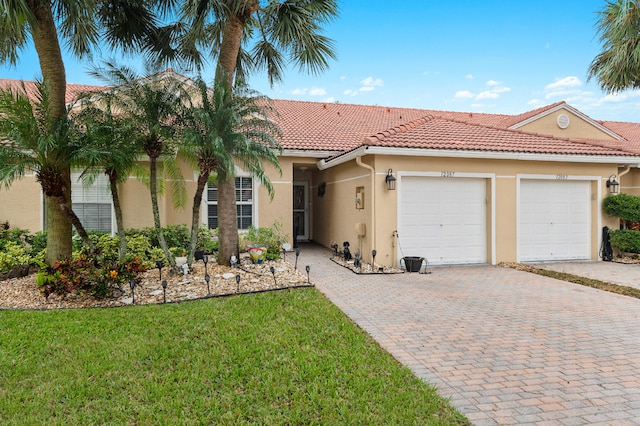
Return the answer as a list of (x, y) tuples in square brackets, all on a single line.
[(443, 219), (554, 220)]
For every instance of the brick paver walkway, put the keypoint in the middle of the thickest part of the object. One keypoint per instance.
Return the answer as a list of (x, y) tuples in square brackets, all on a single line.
[(507, 347)]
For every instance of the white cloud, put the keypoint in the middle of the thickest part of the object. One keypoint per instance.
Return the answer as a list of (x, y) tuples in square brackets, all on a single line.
[(350, 92), (343, 77), (370, 81), (317, 91), (501, 89), (299, 91), (329, 100), (469, 77), (563, 83), (463, 94), (493, 83), (366, 89), (488, 94)]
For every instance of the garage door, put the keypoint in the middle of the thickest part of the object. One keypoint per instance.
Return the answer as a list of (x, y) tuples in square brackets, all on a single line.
[(443, 219), (554, 220)]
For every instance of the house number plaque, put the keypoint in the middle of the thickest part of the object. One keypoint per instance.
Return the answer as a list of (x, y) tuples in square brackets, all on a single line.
[(562, 177), (447, 174)]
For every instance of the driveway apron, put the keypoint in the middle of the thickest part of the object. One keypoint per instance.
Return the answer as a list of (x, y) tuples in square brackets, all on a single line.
[(505, 346)]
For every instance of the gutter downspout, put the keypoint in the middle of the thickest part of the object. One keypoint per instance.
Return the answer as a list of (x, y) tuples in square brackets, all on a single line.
[(373, 201), (625, 172)]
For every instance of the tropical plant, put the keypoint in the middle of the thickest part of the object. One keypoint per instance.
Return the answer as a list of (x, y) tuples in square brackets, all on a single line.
[(82, 25), (153, 105), (281, 30), (34, 143), (108, 149), (626, 240), (617, 66), (624, 206), (272, 237), (224, 125)]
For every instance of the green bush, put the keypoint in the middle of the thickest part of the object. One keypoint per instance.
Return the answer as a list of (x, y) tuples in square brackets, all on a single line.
[(208, 240), (272, 237), (627, 240), (13, 254), (624, 206)]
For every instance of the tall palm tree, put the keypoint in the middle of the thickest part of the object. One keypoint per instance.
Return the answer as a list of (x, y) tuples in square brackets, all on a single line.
[(154, 105), (31, 141), (223, 125), (107, 149), (281, 31), (617, 66), (82, 24)]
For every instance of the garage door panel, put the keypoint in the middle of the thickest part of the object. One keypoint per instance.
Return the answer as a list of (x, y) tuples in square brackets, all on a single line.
[(554, 220), (451, 225)]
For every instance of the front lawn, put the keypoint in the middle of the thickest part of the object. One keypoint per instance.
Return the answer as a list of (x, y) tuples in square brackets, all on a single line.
[(287, 357)]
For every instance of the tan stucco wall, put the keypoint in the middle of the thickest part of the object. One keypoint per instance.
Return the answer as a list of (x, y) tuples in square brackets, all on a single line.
[(578, 128), (337, 207), (20, 204)]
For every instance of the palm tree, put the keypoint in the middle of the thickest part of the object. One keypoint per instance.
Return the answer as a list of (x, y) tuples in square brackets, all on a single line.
[(617, 67), (107, 148), (32, 142), (154, 105), (82, 24), (225, 125), (281, 30)]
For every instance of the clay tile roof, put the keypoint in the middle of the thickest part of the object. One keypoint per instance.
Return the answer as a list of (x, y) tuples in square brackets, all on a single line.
[(434, 132), (73, 90)]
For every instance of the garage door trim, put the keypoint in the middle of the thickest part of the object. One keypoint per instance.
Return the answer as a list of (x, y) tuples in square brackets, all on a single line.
[(451, 175), (559, 177)]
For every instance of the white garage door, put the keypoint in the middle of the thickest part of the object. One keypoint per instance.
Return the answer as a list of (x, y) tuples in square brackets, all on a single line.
[(443, 219), (554, 220)]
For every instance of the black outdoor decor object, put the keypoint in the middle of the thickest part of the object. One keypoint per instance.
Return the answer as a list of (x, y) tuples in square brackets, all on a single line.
[(413, 263), (345, 251)]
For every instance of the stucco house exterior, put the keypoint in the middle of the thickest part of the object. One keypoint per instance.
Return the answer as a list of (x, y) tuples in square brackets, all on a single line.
[(468, 188)]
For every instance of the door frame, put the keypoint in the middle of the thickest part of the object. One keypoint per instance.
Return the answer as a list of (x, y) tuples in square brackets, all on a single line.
[(302, 234)]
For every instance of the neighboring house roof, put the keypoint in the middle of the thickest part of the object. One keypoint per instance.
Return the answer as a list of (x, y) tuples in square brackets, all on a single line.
[(73, 90)]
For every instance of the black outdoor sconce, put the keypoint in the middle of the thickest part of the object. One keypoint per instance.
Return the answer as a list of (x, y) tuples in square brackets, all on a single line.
[(308, 268), (390, 180), (613, 185)]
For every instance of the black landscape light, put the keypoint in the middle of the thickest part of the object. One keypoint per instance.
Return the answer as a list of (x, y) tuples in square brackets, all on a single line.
[(238, 283), (308, 268), (273, 272), (284, 253), (207, 278), (373, 255), (164, 291), (132, 284), (205, 260), (297, 255), (160, 265)]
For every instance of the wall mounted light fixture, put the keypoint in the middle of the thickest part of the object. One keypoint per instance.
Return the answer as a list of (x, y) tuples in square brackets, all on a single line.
[(613, 185), (390, 180)]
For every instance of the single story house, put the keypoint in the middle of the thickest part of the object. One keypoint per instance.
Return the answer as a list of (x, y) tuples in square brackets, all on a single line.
[(452, 187)]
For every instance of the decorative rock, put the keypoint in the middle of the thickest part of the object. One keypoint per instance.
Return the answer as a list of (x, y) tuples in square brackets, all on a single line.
[(155, 293), (228, 275), (127, 301)]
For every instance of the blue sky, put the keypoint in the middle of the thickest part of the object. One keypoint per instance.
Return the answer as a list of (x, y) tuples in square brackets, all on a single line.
[(494, 56)]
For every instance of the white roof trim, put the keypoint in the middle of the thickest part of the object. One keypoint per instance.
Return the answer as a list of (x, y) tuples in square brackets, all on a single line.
[(488, 155), (573, 111)]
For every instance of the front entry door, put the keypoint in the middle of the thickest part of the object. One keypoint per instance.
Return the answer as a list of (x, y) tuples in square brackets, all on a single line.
[(301, 210)]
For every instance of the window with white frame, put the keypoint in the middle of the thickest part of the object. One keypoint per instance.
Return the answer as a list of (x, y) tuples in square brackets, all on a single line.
[(244, 203), (92, 204)]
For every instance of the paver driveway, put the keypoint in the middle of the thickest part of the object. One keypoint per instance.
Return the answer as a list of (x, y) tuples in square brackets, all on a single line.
[(507, 347)]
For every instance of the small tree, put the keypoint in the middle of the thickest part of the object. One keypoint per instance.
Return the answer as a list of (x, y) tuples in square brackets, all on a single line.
[(226, 125)]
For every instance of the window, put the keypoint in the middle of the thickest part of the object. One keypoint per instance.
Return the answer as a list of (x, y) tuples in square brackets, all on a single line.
[(92, 204), (244, 203)]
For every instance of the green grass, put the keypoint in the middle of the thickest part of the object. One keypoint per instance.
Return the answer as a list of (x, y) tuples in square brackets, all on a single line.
[(288, 357)]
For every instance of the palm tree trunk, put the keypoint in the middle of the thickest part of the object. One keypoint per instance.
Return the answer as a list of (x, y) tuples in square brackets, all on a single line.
[(227, 214), (117, 208), (153, 188), (203, 178), (73, 218), (227, 221), (45, 40)]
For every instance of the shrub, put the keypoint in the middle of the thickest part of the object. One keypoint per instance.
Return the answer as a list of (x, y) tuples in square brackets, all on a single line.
[(272, 237), (208, 240), (13, 254), (624, 206), (626, 240)]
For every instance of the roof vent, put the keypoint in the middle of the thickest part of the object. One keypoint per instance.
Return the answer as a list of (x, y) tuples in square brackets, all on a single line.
[(563, 121)]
